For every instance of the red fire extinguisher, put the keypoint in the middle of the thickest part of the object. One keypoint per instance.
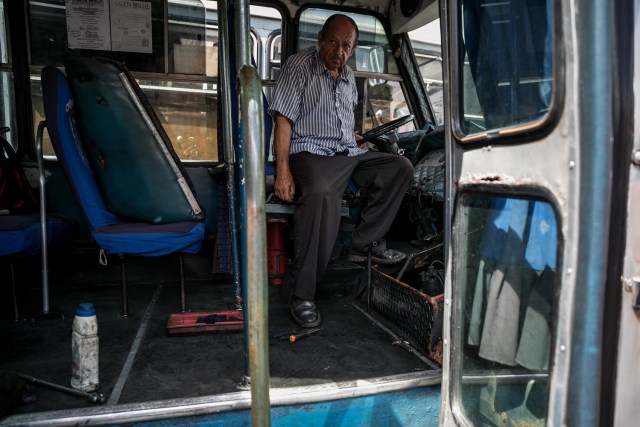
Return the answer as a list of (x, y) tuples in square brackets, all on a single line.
[(276, 249)]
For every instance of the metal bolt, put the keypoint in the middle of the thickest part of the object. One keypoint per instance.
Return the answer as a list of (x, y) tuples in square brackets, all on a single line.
[(630, 282)]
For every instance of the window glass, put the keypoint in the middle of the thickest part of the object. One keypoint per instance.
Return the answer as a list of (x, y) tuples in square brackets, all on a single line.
[(381, 102), (373, 52), (47, 31), (426, 45), (190, 113), (188, 110), (49, 41), (507, 61), (266, 27), (275, 56), (4, 54), (186, 99), (187, 105), (193, 39), (381, 99), (508, 283), (7, 109)]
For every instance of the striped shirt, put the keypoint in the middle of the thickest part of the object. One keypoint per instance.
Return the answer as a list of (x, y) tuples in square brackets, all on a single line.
[(320, 107)]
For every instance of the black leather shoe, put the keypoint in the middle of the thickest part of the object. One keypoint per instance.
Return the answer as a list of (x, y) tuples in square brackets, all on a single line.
[(305, 312), (386, 256)]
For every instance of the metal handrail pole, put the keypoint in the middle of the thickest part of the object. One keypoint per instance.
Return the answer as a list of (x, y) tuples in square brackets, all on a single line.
[(229, 152), (243, 31), (43, 218), (234, 14), (255, 244)]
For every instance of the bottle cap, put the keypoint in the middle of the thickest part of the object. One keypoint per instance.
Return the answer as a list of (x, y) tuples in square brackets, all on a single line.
[(85, 309)]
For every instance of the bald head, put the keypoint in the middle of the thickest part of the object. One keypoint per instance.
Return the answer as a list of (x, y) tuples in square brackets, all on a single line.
[(341, 21), (337, 41)]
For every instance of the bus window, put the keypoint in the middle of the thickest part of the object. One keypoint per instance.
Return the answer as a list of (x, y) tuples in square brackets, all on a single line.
[(7, 112), (4, 55), (266, 28), (426, 45), (193, 43), (505, 65), (49, 35), (180, 86), (274, 47), (190, 112), (380, 89), (189, 104), (507, 286)]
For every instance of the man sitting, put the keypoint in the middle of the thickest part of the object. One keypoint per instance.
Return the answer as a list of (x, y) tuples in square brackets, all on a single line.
[(316, 155)]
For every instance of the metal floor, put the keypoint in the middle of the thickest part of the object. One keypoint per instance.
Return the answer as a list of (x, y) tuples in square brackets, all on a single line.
[(140, 362)]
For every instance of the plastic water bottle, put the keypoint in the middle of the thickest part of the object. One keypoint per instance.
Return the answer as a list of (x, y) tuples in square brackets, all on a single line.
[(84, 349)]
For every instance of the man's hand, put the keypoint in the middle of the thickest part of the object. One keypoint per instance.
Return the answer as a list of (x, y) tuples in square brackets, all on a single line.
[(284, 186)]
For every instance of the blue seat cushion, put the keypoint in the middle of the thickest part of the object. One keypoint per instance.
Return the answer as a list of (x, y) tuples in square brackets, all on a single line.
[(20, 235), (151, 239)]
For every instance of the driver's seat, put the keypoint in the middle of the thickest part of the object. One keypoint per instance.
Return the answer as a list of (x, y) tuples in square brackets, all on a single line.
[(275, 205)]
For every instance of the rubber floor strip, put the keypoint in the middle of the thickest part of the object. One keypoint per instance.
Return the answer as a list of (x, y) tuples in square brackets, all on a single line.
[(128, 364)]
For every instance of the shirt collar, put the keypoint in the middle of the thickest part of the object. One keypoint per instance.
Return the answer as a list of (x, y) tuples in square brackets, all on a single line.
[(321, 68)]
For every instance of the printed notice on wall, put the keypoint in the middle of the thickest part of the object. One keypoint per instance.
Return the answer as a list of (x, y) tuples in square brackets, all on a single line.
[(88, 24), (131, 26), (119, 25)]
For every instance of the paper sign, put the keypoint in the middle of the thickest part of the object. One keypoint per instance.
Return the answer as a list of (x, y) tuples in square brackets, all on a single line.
[(88, 24), (131, 26), (118, 25)]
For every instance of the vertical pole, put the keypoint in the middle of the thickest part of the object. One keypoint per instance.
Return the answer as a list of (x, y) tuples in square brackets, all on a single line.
[(183, 295), (16, 314), (227, 138), (255, 244), (369, 280), (43, 220), (123, 278), (243, 40), (595, 45), (253, 218), (239, 149)]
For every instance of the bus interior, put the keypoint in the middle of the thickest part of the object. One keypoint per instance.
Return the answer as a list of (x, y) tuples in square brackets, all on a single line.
[(142, 359), (194, 326)]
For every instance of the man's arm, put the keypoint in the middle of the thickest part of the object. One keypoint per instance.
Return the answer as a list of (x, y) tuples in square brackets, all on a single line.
[(284, 186)]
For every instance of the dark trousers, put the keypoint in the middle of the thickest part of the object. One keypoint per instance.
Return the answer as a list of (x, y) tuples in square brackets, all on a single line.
[(320, 183)]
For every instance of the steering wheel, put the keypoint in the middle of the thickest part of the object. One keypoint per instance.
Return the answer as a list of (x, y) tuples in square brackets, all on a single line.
[(385, 128)]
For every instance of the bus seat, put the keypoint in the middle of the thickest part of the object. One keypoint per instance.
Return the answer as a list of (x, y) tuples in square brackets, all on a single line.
[(21, 234), (113, 233), (270, 173), (133, 160)]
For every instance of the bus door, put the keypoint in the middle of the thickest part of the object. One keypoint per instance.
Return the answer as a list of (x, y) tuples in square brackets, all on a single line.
[(527, 183), (625, 341)]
